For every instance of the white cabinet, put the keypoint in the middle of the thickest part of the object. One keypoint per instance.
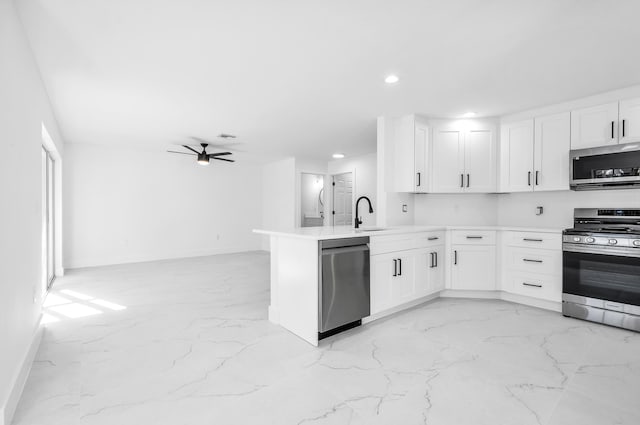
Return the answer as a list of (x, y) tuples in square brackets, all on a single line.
[(405, 268), (473, 265), (410, 155), (534, 154), (608, 124), (463, 157), (594, 126), (629, 121), (533, 264)]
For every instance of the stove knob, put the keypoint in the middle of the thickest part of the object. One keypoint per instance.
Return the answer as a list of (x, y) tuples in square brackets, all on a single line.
[(613, 241), (636, 243), (576, 238), (590, 240)]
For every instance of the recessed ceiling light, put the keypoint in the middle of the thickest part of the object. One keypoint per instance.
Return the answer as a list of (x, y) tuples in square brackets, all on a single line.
[(338, 155), (469, 115), (391, 79)]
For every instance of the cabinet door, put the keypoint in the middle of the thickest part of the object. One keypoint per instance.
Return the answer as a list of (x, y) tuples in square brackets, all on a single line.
[(516, 156), (421, 144), (403, 154), (473, 267), (447, 161), (629, 124), (594, 126), (436, 269), (480, 161), (392, 280), (553, 140)]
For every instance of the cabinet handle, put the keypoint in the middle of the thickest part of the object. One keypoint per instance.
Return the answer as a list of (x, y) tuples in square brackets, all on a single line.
[(532, 284), (461, 180), (433, 238), (455, 258), (395, 268), (612, 124), (531, 240), (531, 261), (474, 237), (468, 180), (432, 260), (399, 266), (537, 174), (418, 179), (529, 178), (435, 255), (623, 122)]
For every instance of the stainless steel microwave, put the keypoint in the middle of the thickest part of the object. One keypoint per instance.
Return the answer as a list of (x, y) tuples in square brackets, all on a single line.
[(608, 167)]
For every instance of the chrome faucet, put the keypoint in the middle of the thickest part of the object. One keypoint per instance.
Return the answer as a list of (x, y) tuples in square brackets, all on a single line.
[(359, 220)]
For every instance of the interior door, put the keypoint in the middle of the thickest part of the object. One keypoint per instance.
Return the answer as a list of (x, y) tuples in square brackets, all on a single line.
[(479, 161), (553, 140), (447, 170), (629, 124), (342, 199), (517, 156), (594, 126)]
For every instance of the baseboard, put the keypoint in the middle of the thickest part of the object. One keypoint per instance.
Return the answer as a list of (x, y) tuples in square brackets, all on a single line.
[(533, 302), (15, 393), (461, 293)]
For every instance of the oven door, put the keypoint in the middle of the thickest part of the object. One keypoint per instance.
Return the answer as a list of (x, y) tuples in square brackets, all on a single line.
[(605, 273)]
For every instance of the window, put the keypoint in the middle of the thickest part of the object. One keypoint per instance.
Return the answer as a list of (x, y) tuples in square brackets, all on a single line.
[(48, 238)]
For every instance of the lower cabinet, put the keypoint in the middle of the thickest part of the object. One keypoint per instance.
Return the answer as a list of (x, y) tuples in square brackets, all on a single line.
[(392, 280), (473, 260)]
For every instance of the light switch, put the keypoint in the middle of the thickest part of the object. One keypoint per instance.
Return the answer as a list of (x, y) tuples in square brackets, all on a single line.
[(539, 210), (404, 207)]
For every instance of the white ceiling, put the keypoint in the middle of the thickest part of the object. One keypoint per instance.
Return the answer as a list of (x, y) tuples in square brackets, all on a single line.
[(305, 78)]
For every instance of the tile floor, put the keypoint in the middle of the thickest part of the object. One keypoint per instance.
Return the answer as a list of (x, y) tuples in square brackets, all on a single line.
[(188, 342)]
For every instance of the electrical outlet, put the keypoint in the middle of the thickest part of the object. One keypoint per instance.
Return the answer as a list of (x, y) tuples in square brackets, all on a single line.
[(539, 210), (404, 207)]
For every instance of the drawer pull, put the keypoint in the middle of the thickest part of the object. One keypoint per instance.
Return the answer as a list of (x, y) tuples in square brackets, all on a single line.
[(433, 238), (531, 240), (532, 284), (531, 261), (474, 237)]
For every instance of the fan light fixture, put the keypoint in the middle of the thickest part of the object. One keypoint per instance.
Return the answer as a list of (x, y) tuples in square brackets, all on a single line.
[(338, 155), (203, 158)]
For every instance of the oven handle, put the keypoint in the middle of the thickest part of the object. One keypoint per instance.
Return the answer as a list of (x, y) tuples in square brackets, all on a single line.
[(601, 250)]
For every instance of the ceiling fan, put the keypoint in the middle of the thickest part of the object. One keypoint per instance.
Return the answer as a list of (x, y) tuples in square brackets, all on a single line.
[(204, 157)]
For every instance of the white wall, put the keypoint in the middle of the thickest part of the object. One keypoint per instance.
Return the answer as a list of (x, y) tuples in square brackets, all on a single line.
[(364, 169), (278, 197), (24, 107), (131, 204), (465, 209)]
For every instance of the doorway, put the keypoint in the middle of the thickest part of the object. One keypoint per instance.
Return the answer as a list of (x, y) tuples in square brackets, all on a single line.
[(312, 200), (342, 199)]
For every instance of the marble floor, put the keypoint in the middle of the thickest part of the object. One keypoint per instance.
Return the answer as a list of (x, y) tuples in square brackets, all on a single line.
[(188, 342)]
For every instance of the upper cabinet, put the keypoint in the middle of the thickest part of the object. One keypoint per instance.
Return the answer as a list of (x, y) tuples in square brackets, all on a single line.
[(607, 124), (534, 154), (463, 157), (410, 155)]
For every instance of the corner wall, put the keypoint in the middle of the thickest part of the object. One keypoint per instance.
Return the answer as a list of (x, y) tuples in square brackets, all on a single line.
[(24, 107)]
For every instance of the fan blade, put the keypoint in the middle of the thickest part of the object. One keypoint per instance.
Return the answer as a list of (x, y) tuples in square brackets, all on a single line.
[(183, 153), (223, 159), (220, 154), (191, 149)]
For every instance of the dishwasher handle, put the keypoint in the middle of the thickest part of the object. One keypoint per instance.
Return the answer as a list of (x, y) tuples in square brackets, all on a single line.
[(345, 249)]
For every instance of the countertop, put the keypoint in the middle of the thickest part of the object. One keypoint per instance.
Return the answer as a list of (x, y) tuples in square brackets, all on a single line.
[(341, 232)]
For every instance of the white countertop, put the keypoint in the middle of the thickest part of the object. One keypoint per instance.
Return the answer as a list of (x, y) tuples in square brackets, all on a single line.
[(340, 232)]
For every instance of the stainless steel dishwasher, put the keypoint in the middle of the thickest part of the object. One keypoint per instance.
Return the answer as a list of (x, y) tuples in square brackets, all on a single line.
[(344, 284)]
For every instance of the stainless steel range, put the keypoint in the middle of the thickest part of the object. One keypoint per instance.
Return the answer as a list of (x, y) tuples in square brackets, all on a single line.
[(601, 267)]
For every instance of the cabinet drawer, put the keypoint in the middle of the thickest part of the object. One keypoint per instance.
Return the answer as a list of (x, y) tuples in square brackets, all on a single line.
[(541, 261), (536, 286), (424, 240), (391, 243), (534, 240), (473, 237)]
